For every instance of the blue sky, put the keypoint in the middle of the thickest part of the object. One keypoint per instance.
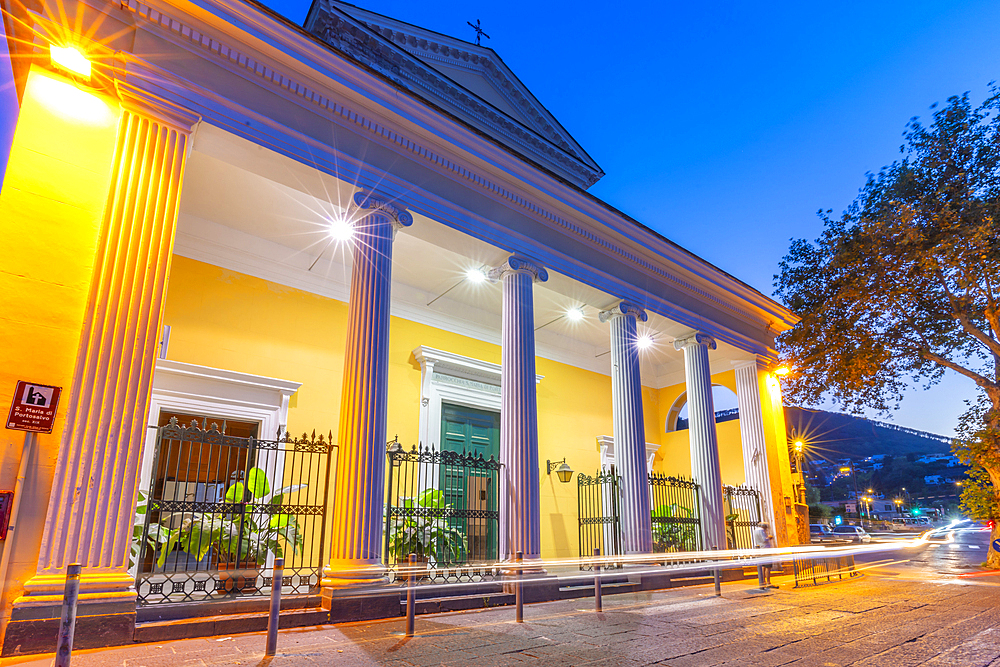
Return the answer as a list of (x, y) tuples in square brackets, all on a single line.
[(725, 126)]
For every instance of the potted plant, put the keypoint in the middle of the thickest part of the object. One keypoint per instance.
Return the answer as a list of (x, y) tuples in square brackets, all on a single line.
[(424, 530), (241, 537), (674, 535)]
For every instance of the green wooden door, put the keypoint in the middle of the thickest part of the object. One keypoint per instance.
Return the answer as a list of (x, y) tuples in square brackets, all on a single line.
[(469, 491)]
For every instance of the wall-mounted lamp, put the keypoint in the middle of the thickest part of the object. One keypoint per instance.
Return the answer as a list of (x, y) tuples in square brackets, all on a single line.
[(563, 471), (394, 449)]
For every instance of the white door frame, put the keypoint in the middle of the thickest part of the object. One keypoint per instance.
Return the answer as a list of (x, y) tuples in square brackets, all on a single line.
[(214, 392)]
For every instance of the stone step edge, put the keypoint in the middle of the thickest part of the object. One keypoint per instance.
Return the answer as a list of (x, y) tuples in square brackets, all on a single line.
[(228, 624)]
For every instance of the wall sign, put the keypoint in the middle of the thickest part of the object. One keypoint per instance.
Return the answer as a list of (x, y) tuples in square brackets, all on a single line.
[(34, 407)]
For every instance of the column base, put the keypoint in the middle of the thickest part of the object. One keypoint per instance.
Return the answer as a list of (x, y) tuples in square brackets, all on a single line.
[(99, 623), (105, 613), (350, 591), (352, 574)]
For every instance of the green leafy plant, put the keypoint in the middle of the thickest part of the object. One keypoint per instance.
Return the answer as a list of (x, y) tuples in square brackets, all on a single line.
[(242, 536), (156, 534), (426, 531), (671, 535)]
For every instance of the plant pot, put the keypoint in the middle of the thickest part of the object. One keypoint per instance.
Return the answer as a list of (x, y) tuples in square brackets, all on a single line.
[(239, 578), (421, 565)]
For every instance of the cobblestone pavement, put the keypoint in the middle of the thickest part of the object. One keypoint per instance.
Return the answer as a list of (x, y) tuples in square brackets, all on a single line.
[(871, 621)]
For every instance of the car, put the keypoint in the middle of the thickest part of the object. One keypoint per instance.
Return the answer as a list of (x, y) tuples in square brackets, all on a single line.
[(819, 532), (852, 533)]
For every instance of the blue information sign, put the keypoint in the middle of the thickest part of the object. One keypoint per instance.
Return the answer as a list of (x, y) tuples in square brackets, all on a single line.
[(996, 545)]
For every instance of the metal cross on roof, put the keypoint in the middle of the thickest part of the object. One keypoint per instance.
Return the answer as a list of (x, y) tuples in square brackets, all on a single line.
[(479, 31)]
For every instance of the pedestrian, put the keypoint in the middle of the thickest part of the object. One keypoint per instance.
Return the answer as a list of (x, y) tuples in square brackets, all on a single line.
[(762, 539)]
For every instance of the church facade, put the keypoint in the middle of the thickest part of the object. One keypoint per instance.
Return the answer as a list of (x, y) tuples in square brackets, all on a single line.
[(357, 226)]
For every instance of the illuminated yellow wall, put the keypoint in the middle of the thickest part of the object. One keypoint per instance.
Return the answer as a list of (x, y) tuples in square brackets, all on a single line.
[(51, 208), (674, 457), (224, 319), (229, 320)]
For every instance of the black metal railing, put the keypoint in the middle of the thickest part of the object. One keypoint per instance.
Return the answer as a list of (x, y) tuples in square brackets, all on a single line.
[(815, 570), (741, 506), (676, 521), (599, 514), (442, 506), (220, 508)]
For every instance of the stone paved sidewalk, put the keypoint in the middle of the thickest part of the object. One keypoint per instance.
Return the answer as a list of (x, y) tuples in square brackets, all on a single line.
[(870, 621)]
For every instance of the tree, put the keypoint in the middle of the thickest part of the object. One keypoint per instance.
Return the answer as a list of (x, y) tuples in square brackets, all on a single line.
[(905, 283)]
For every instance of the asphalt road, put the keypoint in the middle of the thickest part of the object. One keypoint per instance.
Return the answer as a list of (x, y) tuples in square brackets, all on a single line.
[(954, 555)]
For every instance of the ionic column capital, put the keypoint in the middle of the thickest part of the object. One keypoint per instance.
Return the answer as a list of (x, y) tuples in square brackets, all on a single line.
[(518, 264), (149, 105), (695, 338), (372, 200), (623, 309)]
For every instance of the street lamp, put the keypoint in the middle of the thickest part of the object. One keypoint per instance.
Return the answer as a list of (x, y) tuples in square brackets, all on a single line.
[(857, 499), (799, 448)]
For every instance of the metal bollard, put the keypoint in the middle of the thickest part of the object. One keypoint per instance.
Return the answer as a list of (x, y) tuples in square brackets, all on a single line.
[(272, 620), (411, 596), (597, 583), (718, 577), (519, 589), (760, 576), (67, 622)]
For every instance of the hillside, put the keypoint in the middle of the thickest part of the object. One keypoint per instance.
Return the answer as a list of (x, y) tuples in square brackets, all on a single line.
[(831, 435)]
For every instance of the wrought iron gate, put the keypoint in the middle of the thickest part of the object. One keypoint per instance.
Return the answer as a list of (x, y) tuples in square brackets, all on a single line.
[(220, 508), (599, 505), (676, 521), (742, 509), (443, 506)]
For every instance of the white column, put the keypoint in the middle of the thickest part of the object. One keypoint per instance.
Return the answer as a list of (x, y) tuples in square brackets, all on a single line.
[(520, 514), (360, 493), (705, 468), (92, 503), (629, 430), (752, 435)]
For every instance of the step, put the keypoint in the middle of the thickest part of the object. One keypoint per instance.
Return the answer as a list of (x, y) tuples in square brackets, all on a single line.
[(458, 603), (227, 624), (587, 590)]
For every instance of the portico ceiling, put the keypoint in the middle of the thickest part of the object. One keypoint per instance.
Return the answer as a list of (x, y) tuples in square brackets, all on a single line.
[(251, 210)]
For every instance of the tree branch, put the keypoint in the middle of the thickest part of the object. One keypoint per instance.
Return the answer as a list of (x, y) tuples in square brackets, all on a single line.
[(963, 319), (981, 380)]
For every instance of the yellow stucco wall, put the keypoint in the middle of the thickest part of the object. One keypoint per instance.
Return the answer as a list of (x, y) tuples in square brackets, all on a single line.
[(229, 320), (51, 207)]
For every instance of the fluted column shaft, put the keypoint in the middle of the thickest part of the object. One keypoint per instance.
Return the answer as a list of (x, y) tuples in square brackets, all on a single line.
[(358, 518), (755, 467), (520, 513), (629, 429), (705, 468), (89, 519)]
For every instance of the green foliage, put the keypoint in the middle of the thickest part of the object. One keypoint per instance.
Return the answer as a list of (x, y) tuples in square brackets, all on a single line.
[(905, 283), (974, 447), (673, 536), (156, 536), (243, 536), (426, 532)]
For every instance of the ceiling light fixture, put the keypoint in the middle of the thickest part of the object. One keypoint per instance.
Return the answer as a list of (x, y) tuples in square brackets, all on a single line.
[(574, 314), (70, 59), (475, 276), (644, 341), (340, 229)]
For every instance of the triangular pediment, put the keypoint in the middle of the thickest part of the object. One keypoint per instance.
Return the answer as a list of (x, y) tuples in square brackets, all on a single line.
[(468, 80)]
